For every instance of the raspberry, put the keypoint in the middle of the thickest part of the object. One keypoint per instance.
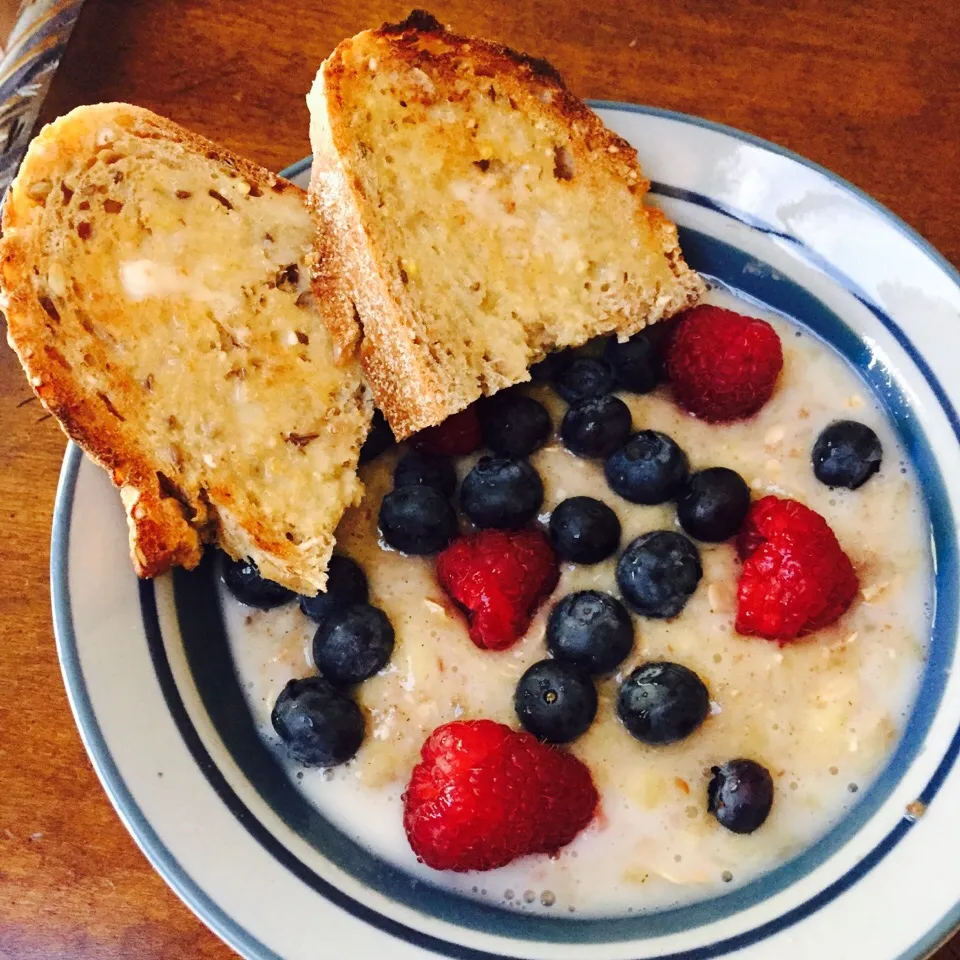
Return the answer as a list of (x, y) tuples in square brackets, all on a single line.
[(484, 795), (499, 577), (455, 437), (723, 366), (796, 578)]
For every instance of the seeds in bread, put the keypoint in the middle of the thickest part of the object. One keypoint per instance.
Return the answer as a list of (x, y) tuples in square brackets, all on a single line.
[(475, 215), (156, 291)]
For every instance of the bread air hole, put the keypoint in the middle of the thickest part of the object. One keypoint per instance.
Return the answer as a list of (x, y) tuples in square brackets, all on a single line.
[(108, 403), (288, 276), (49, 308), (563, 168), (220, 198)]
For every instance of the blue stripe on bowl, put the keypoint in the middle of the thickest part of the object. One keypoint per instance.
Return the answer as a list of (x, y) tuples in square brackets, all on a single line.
[(208, 655), (941, 655), (297, 168)]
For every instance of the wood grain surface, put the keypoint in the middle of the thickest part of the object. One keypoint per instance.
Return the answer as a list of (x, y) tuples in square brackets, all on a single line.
[(869, 90)]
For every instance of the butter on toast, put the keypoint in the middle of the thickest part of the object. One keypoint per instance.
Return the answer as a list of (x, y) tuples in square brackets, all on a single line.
[(474, 216), (156, 292)]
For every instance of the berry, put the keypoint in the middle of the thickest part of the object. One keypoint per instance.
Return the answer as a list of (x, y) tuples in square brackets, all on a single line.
[(637, 363), (379, 438), (740, 795), (650, 468), (346, 585), (846, 454), (662, 702), (319, 725), (484, 795), (499, 578), (513, 424), (457, 436), (584, 530), (796, 578), (352, 644), (418, 469), (595, 427), (658, 572), (550, 367), (722, 365), (417, 520), (243, 580), (556, 701), (713, 504), (591, 629), (583, 377), (502, 493)]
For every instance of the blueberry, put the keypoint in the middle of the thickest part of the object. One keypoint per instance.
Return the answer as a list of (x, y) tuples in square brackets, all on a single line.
[(320, 725), (713, 504), (418, 469), (658, 572), (591, 629), (595, 427), (352, 644), (379, 438), (502, 493), (740, 795), (584, 530), (346, 585), (662, 702), (417, 520), (556, 701), (583, 377), (846, 454), (637, 363), (550, 367), (513, 424), (650, 468), (243, 580)]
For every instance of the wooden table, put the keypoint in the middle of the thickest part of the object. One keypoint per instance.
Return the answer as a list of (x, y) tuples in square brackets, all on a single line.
[(868, 90)]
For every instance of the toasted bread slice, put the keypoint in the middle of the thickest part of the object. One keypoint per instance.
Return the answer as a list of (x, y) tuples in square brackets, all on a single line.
[(475, 215), (156, 292)]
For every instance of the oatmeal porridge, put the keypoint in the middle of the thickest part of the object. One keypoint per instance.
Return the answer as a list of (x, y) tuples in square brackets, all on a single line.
[(822, 713)]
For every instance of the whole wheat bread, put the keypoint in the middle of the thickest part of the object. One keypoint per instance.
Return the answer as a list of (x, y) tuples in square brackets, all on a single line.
[(156, 291), (474, 215)]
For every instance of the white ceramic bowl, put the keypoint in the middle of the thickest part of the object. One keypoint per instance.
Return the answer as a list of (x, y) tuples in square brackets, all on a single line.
[(152, 687)]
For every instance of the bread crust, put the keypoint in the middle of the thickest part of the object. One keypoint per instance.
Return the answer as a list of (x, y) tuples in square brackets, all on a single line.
[(349, 266), (168, 525)]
